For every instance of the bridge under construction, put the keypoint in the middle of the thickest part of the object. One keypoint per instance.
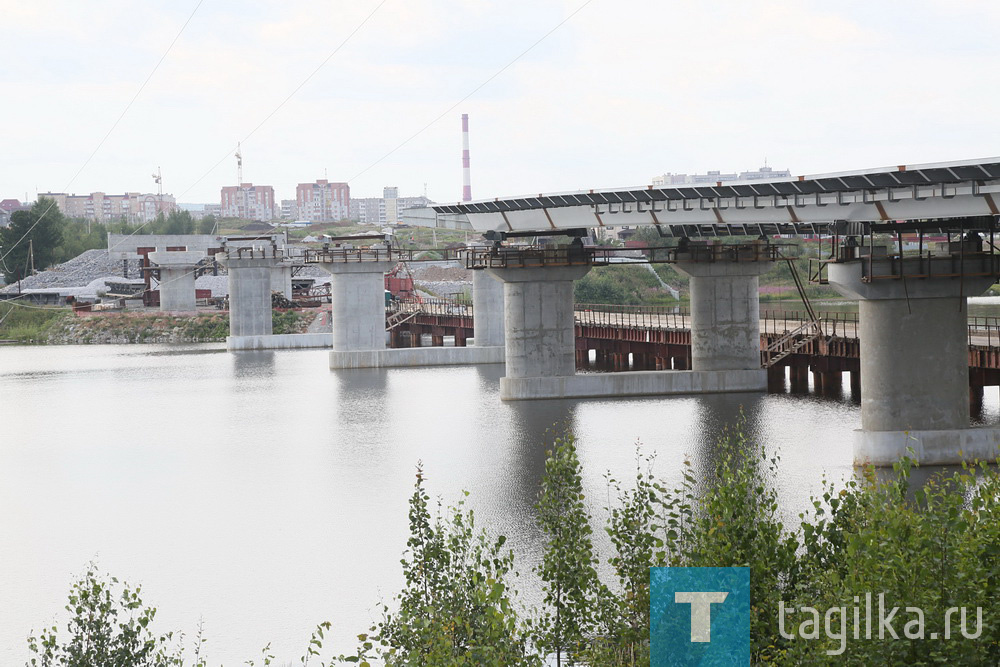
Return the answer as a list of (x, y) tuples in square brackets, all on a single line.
[(912, 326)]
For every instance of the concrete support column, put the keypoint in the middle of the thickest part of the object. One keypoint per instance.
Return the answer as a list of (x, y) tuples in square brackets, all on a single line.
[(177, 269), (725, 314), (915, 362), (281, 279), (357, 290), (538, 320), (487, 309), (249, 294)]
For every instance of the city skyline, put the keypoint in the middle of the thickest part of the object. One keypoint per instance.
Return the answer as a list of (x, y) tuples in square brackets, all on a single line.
[(589, 106)]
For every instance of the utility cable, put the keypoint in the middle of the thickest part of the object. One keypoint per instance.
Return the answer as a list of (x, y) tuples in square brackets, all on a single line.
[(288, 97), (473, 92), (112, 129)]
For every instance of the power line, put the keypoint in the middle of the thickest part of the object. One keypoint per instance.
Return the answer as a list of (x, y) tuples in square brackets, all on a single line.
[(112, 129), (473, 92), (290, 95)]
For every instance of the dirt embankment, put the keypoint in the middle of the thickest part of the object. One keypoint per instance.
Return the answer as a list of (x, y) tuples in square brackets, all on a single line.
[(156, 327)]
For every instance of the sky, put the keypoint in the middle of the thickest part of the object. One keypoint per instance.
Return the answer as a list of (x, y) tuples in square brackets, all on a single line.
[(623, 91)]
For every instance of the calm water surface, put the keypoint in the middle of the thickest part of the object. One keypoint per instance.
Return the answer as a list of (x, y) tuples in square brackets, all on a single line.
[(264, 493)]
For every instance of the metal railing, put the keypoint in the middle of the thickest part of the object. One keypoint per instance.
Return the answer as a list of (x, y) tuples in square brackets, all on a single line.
[(778, 322), (251, 252), (344, 255), (637, 317), (755, 251), (507, 257), (431, 306), (984, 331)]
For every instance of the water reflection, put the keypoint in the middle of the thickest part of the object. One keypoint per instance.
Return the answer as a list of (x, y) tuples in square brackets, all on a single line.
[(292, 479), (252, 363)]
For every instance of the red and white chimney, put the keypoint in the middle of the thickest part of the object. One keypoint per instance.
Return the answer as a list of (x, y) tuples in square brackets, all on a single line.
[(466, 173)]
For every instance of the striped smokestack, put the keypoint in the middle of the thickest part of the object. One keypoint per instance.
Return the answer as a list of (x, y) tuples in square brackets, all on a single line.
[(466, 173)]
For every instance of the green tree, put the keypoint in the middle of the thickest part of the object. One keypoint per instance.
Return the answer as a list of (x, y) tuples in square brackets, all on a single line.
[(633, 522), (31, 239), (569, 566), (737, 523), (179, 222), (207, 224), (457, 607), (109, 625)]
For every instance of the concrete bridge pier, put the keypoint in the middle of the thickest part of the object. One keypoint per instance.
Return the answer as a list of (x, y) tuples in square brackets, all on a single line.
[(281, 279), (725, 313), (357, 289), (540, 344), (251, 279), (539, 326), (177, 269), (487, 310), (914, 361), (250, 295)]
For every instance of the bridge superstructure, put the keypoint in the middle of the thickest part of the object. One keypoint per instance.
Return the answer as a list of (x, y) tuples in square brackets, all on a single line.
[(912, 307), (798, 205)]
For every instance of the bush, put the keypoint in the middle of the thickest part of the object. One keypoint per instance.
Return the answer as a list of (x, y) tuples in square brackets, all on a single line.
[(935, 548), (109, 625), (457, 606)]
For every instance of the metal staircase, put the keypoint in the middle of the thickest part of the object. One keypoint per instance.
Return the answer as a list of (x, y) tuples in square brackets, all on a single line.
[(399, 317), (800, 337)]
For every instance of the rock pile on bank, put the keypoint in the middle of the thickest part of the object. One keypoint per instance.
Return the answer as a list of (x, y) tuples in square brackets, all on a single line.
[(80, 271)]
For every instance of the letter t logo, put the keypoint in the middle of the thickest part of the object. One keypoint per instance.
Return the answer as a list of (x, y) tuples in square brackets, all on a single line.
[(701, 611)]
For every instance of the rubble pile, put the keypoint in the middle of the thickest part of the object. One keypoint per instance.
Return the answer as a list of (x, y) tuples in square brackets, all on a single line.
[(82, 270)]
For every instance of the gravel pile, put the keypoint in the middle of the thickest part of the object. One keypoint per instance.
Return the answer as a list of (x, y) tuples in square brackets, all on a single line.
[(80, 271), (434, 273), (444, 288)]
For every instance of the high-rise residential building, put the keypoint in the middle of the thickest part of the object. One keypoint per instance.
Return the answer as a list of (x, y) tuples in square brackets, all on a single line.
[(368, 210), (102, 207), (390, 195), (323, 201), (289, 211), (248, 201), (764, 172)]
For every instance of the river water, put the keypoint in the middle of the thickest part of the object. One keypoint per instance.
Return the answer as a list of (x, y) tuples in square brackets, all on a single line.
[(264, 493)]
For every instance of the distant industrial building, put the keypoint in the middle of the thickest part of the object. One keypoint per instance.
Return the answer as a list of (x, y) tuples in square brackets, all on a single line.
[(248, 201), (763, 173), (323, 201), (387, 209), (102, 207)]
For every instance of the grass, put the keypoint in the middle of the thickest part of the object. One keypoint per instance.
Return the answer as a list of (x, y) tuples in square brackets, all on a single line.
[(26, 324)]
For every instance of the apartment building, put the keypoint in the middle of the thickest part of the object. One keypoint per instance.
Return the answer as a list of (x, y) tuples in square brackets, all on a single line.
[(101, 207), (323, 201), (248, 201)]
